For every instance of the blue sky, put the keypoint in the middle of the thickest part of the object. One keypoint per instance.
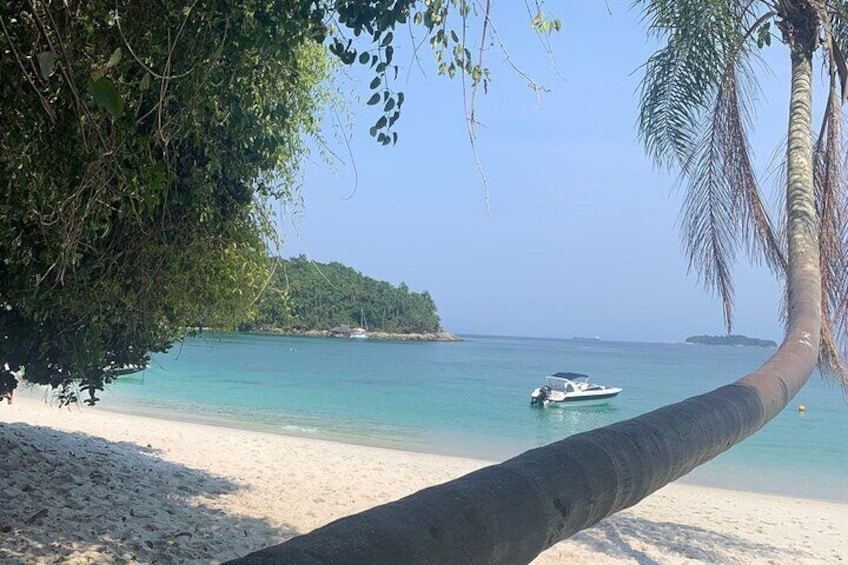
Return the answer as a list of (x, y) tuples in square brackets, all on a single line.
[(581, 234)]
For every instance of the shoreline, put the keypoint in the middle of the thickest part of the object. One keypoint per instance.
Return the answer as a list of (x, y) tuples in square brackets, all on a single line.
[(440, 336), (113, 406), (93, 485)]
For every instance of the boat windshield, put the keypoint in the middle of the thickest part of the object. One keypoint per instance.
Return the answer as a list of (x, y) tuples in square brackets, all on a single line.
[(557, 383), (560, 383)]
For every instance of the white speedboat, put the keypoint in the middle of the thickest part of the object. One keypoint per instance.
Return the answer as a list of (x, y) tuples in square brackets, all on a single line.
[(572, 389)]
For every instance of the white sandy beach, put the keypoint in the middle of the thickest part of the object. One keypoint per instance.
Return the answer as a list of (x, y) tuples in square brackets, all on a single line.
[(86, 485)]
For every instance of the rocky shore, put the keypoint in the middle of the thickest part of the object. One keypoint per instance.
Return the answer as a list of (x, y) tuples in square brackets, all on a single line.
[(427, 336), (434, 336)]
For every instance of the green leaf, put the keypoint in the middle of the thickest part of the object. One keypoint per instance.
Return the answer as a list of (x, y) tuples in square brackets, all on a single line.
[(375, 82), (46, 63), (374, 99), (364, 57), (106, 96), (145, 82), (114, 59)]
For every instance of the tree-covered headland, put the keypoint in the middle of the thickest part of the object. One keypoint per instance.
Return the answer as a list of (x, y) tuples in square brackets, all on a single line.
[(733, 339), (306, 295)]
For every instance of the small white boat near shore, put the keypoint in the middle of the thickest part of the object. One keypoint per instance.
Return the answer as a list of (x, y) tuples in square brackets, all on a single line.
[(572, 389), (359, 333)]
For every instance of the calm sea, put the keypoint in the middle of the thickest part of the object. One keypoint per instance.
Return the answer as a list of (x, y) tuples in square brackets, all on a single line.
[(471, 398)]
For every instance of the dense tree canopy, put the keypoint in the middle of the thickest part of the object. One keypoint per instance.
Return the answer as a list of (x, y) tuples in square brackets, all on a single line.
[(135, 139), (306, 295), (138, 139)]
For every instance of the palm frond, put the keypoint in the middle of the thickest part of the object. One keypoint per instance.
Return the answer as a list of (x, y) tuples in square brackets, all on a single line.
[(722, 207), (756, 226), (682, 77), (694, 116), (831, 201)]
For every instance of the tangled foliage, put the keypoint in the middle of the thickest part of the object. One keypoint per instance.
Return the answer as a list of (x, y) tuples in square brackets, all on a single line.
[(138, 140)]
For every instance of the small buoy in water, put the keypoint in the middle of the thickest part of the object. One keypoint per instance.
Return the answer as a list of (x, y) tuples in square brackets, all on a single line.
[(802, 408)]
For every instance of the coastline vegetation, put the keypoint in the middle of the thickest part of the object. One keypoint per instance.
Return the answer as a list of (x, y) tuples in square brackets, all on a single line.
[(306, 297)]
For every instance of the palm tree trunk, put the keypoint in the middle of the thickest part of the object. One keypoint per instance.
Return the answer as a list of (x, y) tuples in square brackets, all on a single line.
[(509, 513), (777, 375)]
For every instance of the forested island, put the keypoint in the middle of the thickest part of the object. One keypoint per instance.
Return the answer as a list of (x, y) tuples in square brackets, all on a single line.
[(310, 298), (730, 340)]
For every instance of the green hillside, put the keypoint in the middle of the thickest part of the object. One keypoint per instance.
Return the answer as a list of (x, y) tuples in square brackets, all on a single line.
[(306, 295)]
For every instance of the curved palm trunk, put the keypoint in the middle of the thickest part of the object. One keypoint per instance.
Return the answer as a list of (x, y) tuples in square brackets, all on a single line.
[(509, 513)]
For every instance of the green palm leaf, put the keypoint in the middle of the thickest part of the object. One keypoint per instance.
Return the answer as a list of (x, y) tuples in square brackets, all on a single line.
[(693, 115), (682, 77)]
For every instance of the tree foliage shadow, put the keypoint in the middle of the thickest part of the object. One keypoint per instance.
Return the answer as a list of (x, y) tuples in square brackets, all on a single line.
[(74, 497), (626, 537)]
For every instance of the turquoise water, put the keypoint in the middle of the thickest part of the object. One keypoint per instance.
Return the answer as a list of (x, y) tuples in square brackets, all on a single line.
[(472, 398)]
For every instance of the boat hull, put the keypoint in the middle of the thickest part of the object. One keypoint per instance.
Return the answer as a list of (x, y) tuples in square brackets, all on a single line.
[(596, 401), (599, 395)]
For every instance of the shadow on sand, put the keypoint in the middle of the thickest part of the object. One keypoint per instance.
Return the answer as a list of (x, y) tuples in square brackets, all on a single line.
[(632, 538), (127, 504), (75, 498)]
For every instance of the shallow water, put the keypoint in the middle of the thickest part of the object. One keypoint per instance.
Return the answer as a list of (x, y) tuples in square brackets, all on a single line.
[(472, 398)]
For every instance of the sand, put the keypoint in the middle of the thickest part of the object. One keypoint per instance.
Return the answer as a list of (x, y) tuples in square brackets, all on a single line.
[(86, 485)]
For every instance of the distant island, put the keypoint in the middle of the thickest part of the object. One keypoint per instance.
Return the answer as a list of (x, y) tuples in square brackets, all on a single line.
[(309, 298), (730, 340)]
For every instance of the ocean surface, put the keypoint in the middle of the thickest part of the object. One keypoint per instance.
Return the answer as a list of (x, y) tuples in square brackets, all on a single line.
[(471, 398)]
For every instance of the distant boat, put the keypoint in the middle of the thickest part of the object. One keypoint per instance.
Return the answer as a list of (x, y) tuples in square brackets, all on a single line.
[(579, 338), (128, 369), (572, 389), (358, 333)]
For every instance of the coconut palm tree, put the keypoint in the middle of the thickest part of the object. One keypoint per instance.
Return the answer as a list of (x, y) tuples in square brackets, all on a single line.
[(693, 117)]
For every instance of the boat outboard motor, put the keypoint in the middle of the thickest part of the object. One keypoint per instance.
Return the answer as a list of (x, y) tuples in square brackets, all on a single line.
[(540, 395)]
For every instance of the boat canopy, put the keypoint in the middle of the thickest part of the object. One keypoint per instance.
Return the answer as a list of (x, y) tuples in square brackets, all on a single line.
[(570, 376)]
